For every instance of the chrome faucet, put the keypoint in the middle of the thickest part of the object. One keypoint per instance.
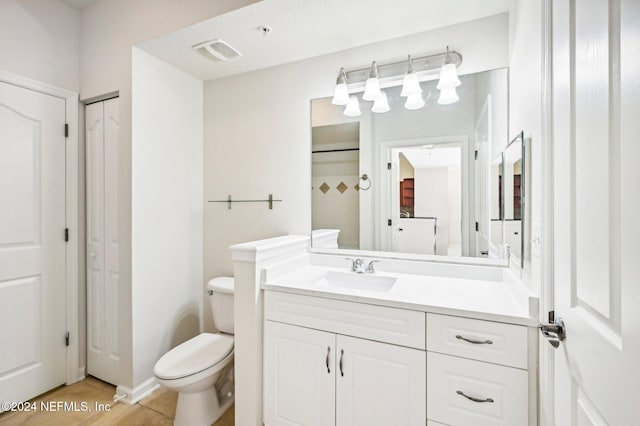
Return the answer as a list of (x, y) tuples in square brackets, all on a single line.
[(357, 266)]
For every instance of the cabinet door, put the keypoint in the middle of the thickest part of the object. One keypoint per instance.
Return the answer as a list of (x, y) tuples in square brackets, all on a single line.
[(379, 384), (299, 376)]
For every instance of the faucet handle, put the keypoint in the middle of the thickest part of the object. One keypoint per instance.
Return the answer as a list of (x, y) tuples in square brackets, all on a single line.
[(353, 263), (370, 268)]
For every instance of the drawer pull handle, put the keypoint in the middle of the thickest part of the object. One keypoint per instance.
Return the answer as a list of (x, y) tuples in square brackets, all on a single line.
[(475, 342), (341, 355), (327, 360), (474, 399)]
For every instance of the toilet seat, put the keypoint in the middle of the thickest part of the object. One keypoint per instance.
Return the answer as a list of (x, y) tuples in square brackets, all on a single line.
[(193, 356)]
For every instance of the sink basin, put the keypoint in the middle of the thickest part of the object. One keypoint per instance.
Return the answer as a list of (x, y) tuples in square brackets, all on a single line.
[(355, 281)]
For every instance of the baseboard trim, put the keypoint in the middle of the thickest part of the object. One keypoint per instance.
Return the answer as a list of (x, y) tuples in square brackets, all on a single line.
[(132, 396), (82, 374)]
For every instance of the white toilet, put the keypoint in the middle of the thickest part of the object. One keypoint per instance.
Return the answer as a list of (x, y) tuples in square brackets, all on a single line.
[(201, 369)]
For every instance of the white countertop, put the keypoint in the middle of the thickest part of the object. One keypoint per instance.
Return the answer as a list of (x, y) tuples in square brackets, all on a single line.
[(487, 300)]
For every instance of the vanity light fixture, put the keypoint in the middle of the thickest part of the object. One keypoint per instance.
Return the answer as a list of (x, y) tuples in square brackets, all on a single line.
[(353, 107), (341, 92), (381, 104), (410, 83), (408, 73), (448, 82), (372, 86)]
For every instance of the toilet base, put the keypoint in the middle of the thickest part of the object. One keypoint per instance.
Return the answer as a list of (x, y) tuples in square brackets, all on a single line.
[(199, 408)]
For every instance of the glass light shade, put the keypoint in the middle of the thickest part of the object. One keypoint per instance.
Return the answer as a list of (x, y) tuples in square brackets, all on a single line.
[(448, 96), (353, 107), (340, 94), (410, 84), (414, 101), (381, 104), (448, 77), (371, 89)]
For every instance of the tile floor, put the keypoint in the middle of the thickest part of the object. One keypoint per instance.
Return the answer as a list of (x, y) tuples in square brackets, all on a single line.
[(158, 409)]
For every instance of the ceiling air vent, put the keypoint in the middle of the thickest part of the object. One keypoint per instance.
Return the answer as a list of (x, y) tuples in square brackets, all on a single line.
[(217, 50)]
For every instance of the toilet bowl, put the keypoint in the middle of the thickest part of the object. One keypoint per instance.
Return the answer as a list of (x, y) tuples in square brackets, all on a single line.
[(201, 369)]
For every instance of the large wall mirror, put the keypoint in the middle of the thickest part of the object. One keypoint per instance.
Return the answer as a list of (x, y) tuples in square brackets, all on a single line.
[(424, 181)]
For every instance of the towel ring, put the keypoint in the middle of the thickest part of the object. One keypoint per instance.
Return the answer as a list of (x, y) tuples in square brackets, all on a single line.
[(364, 178)]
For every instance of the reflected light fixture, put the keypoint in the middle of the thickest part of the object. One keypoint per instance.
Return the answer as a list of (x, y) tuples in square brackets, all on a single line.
[(341, 92), (353, 107), (381, 104), (414, 101), (372, 86), (448, 96), (410, 82)]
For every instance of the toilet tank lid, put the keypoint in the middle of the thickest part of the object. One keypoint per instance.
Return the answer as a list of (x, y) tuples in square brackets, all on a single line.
[(221, 284)]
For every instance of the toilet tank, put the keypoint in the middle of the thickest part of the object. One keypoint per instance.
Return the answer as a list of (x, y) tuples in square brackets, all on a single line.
[(221, 298)]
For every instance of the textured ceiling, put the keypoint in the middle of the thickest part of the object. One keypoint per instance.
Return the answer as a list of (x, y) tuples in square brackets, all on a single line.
[(303, 29)]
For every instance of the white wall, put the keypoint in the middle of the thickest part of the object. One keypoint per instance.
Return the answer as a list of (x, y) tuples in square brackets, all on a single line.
[(166, 210), (261, 120), (41, 40), (109, 29)]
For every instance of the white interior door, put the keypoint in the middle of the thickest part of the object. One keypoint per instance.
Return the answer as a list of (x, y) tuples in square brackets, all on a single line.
[(32, 243), (102, 128), (596, 103)]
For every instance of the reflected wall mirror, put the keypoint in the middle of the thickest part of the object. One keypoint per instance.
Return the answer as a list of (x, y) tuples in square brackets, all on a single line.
[(420, 181), (514, 196)]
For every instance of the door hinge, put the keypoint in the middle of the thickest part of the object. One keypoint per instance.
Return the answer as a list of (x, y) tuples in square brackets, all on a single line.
[(66, 339), (66, 235), (477, 226), (66, 130), (475, 154), (389, 222), (552, 316), (388, 166)]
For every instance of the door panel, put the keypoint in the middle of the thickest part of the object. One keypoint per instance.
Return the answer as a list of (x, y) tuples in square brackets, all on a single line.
[(102, 133), (379, 384), (32, 246), (596, 205), (299, 388)]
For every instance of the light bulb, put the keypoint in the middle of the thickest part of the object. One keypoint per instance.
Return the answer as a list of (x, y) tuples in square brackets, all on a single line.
[(448, 96), (372, 86), (414, 101), (448, 77), (381, 104), (353, 107), (341, 92), (410, 83)]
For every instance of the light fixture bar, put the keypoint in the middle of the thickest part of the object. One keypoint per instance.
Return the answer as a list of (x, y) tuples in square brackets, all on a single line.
[(392, 74)]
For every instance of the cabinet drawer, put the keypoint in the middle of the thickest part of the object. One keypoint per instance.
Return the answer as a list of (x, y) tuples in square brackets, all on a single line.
[(390, 325), (449, 378), (494, 342)]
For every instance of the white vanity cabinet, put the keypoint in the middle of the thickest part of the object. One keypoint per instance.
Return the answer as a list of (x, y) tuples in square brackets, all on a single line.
[(337, 362), (314, 377)]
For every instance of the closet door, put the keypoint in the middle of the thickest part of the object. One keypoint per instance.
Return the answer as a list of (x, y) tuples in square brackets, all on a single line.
[(102, 131)]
